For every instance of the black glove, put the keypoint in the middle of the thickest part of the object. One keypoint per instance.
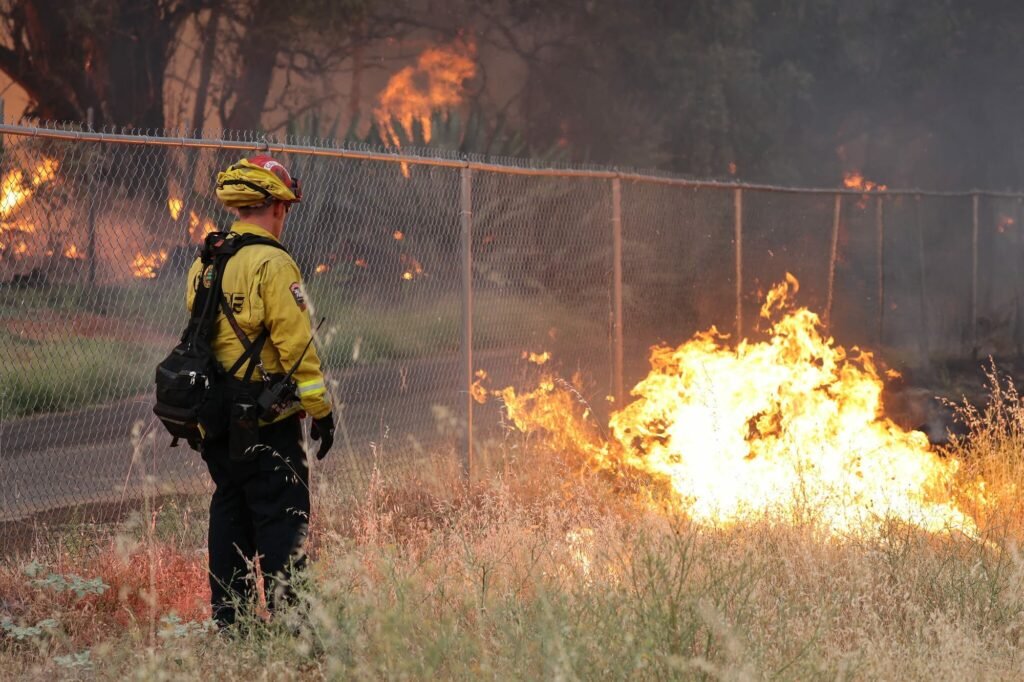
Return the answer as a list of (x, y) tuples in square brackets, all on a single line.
[(323, 431)]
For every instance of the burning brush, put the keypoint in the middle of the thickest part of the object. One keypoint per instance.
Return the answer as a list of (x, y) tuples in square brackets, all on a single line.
[(789, 428)]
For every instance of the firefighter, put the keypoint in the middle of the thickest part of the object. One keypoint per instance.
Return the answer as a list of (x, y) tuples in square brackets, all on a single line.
[(260, 507)]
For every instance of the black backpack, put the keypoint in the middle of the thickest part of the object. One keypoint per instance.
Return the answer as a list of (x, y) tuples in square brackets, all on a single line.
[(192, 388)]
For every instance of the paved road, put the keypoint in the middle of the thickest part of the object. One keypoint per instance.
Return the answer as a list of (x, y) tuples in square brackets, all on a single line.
[(60, 460)]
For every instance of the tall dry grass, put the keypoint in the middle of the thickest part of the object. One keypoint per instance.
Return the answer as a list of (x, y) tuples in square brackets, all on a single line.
[(546, 570)]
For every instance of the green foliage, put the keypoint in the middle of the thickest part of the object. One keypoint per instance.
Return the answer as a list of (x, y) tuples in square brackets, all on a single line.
[(58, 582), (172, 627), (63, 374), (71, 583), (77, 661), (22, 633)]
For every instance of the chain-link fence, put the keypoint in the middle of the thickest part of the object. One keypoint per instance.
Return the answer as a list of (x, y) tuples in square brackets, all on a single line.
[(429, 270)]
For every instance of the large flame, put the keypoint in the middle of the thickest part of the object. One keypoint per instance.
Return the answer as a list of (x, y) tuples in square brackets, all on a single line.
[(788, 428), (15, 189), (434, 83)]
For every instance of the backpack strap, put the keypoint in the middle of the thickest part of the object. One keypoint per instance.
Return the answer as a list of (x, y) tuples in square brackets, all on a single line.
[(217, 249), (252, 354)]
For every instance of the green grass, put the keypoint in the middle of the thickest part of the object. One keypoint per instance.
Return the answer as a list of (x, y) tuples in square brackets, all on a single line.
[(65, 373), (360, 334), (154, 303), (51, 376)]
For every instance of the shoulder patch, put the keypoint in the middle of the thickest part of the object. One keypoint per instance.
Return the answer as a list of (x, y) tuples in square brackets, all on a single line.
[(208, 276), (299, 295)]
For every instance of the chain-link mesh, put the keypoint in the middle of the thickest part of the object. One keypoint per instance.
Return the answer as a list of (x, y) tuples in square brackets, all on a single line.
[(678, 268), (97, 232), (542, 260)]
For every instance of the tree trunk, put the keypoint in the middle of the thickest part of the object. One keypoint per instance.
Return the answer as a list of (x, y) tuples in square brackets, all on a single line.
[(206, 68), (257, 56), (114, 64)]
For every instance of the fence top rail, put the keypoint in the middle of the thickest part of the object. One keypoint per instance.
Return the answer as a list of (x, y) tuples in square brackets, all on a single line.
[(484, 166)]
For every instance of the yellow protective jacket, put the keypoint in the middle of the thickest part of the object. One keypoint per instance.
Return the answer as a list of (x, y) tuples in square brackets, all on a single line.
[(263, 286)]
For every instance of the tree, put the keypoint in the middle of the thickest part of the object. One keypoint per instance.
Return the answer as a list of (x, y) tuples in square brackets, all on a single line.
[(109, 56), (310, 38)]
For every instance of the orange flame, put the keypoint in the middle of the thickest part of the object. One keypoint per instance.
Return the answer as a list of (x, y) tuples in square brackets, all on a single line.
[(146, 265), (198, 227), (856, 180), (174, 207), (73, 253), (413, 268), (434, 83), (15, 190), (791, 428), (537, 358), (321, 268)]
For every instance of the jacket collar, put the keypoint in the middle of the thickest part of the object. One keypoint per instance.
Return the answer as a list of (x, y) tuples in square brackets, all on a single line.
[(242, 227)]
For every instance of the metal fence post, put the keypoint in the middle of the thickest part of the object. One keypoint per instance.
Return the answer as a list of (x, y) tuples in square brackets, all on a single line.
[(737, 211), (837, 210), (1018, 299), (926, 339), (619, 353), (91, 247), (466, 215), (880, 253), (974, 277)]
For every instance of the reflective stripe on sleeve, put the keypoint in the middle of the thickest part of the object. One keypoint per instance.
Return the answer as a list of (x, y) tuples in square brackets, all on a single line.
[(313, 387)]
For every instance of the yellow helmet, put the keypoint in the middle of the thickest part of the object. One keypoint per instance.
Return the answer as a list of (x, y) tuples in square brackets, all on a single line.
[(257, 181)]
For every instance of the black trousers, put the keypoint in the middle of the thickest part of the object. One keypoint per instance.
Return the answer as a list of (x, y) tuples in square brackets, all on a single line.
[(260, 508)]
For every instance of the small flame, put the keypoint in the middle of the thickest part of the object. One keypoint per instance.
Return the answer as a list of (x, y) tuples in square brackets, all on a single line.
[(537, 358), (15, 234), (146, 265), (360, 262), (72, 253), (321, 268), (45, 172), (174, 206), (856, 180), (398, 235), (434, 83), (198, 227), (476, 389), (413, 268)]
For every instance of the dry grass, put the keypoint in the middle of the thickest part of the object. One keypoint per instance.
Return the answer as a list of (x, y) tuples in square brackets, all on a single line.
[(545, 570)]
